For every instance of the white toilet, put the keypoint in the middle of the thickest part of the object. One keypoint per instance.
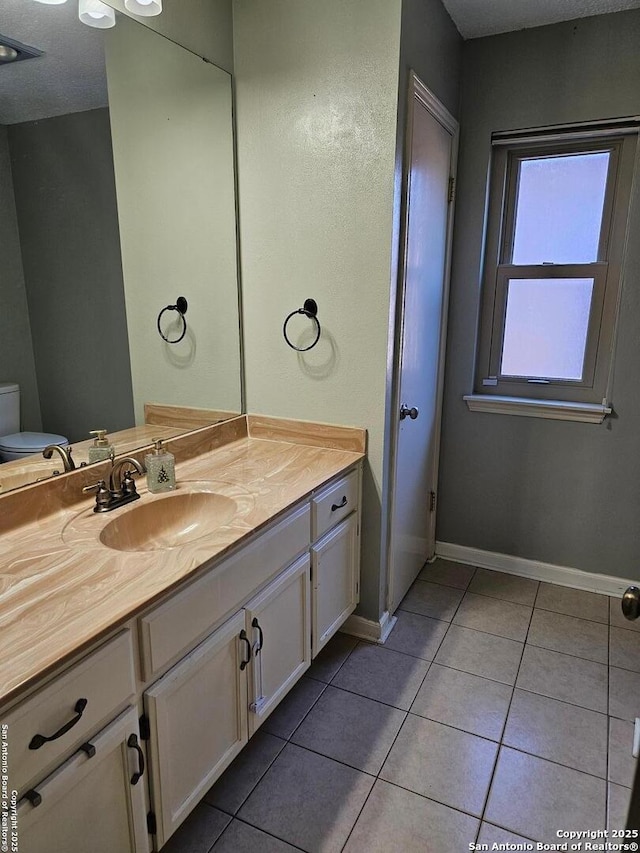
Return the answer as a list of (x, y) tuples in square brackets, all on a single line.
[(15, 444)]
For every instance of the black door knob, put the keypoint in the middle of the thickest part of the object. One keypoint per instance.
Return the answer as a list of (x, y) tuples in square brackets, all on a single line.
[(631, 603)]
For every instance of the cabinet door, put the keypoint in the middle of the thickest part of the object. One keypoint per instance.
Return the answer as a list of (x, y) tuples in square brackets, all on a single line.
[(198, 721), (278, 622), (334, 576), (90, 803)]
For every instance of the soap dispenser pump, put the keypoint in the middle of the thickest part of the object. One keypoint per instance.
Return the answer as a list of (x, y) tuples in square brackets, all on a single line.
[(161, 470), (101, 449)]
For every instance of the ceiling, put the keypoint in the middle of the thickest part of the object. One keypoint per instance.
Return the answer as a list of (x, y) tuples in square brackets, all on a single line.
[(69, 77), (476, 18)]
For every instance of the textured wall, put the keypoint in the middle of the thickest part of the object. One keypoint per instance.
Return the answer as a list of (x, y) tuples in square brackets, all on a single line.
[(564, 493), (317, 91), (16, 353), (66, 204)]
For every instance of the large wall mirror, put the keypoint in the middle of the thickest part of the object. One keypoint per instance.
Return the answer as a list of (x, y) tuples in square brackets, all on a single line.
[(118, 197)]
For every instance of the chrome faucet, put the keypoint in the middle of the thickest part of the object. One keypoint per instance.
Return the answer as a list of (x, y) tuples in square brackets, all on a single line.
[(122, 487), (65, 453)]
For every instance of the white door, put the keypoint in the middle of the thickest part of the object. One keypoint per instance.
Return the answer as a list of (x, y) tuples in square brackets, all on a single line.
[(431, 153)]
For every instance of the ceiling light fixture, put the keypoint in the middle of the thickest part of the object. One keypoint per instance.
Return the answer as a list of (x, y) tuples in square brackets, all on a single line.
[(143, 8), (52, 2), (95, 13)]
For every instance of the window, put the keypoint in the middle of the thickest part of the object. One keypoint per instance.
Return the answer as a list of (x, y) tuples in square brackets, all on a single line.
[(556, 232)]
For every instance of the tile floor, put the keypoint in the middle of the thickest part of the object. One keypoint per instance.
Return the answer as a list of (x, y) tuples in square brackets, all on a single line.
[(500, 709)]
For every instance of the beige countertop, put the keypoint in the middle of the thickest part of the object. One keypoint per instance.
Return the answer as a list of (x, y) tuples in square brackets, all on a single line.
[(61, 591)]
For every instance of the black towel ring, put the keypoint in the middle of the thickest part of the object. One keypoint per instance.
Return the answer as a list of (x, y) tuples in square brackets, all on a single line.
[(181, 308), (310, 310)]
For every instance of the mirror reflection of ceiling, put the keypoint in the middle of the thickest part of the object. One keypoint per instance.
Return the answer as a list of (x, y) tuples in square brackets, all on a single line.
[(70, 75), (477, 18)]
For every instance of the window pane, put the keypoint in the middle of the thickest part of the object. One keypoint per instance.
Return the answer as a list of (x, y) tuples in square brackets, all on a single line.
[(545, 332), (559, 209)]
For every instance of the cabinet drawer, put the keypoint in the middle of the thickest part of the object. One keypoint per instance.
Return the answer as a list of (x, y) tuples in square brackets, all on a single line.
[(333, 504), (176, 626), (105, 679)]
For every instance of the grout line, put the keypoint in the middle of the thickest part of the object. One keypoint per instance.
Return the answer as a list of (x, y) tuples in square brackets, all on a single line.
[(501, 745), (260, 829)]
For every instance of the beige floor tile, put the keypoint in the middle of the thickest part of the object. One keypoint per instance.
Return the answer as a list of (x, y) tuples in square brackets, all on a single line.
[(199, 831), (559, 732), (624, 693), (570, 679), (308, 800), (617, 618), (416, 635), (351, 729), (432, 599), (239, 837), (444, 764), (480, 654), (490, 834), (240, 778), (622, 764), (383, 675), (624, 649), (536, 798), (618, 806), (331, 658), (503, 618), (448, 573), (504, 586), (573, 602), (476, 705), (568, 634), (293, 709), (397, 820)]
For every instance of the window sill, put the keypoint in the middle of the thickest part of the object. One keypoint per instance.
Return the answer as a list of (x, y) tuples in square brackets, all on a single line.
[(588, 413)]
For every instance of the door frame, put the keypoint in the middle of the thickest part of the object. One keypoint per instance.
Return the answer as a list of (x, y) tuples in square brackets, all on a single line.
[(417, 91)]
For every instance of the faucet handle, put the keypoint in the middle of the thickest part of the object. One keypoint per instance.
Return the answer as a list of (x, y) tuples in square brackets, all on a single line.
[(103, 497)]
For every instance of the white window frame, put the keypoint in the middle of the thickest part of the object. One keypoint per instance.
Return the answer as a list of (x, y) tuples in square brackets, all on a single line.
[(586, 399)]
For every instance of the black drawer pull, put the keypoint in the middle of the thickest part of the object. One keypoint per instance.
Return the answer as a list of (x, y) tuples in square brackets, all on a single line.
[(88, 748), (34, 798), (256, 624), (39, 740), (132, 743), (342, 503), (244, 638)]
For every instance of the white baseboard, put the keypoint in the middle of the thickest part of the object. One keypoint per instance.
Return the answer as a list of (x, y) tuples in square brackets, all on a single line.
[(562, 575), (368, 629)]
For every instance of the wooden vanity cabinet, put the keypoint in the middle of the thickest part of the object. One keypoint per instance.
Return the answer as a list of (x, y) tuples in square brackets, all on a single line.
[(94, 801)]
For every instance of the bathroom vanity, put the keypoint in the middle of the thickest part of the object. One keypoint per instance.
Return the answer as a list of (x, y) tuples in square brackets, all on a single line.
[(137, 667)]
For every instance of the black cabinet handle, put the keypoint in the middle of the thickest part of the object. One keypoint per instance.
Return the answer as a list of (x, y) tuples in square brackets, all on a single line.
[(34, 797), (244, 638), (132, 743), (342, 503), (256, 624), (39, 740)]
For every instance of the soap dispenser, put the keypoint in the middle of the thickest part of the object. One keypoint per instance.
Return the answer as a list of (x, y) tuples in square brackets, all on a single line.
[(161, 468), (101, 449)]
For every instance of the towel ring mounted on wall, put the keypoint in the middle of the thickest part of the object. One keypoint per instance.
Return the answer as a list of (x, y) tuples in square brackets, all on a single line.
[(310, 310), (181, 307)]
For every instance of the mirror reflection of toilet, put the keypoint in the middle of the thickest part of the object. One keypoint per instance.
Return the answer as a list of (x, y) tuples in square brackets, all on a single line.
[(13, 443)]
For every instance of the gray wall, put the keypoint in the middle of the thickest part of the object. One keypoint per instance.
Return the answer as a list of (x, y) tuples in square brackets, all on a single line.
[(67, 216), (560, 492), (16, 354)]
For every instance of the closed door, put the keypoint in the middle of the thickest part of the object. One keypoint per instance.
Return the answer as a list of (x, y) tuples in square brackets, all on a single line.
[(431, 137), (198, 721)]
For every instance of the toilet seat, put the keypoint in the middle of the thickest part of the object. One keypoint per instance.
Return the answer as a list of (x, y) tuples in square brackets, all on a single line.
[(21, 444)]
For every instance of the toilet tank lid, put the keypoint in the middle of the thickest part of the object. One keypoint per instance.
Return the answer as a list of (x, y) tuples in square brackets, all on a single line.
[(26, 441), (8, 387)]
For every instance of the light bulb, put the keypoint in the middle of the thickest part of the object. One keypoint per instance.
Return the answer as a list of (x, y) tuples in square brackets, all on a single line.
[(95, 13), (144, 8)]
